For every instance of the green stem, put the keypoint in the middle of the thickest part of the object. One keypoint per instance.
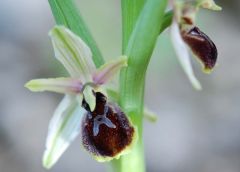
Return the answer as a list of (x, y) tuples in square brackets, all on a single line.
[(130, 13), (66, 13), (132, 80)]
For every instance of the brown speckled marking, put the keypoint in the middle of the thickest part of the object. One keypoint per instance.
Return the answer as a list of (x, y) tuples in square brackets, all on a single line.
[(202, 46), (109, 141)]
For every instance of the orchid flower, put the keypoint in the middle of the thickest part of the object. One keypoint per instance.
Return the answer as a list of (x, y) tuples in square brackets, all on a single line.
[(185, 35), (82, 86)]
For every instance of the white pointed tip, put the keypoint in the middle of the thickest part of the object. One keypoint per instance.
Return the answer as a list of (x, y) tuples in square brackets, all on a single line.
[(28, 85), (196, 84), (47, 161)]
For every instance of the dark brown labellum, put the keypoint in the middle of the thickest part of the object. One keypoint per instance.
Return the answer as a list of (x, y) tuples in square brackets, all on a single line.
[(106, 131), (202, 46)]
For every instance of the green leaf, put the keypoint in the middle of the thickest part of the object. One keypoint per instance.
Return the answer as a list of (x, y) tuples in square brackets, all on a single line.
[(130, 12), (64, 127), (167, 20), (67, 14)]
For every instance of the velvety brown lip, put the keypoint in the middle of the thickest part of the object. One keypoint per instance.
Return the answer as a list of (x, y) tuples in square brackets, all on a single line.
[(202, 46), (109, 141)]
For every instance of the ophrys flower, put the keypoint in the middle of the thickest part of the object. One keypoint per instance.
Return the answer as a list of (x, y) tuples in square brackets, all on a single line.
[(82, 90)]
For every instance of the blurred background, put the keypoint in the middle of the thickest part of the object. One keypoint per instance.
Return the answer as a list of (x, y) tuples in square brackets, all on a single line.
[(195, 131)]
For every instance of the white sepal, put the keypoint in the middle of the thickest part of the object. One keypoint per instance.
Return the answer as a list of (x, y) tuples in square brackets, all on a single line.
[(64, 127), (72, 52)]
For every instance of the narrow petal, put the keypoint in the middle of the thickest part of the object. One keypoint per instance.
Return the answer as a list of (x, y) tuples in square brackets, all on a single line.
[(107, 71), (183, 55), (64, 127), (89, 97), (59, 85), (72, 52)]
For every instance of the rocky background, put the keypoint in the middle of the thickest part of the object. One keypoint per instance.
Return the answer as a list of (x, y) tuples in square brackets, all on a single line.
[(195, 131)]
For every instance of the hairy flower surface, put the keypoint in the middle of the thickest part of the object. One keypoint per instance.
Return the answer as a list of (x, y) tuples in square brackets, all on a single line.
[(83, 95), (106, 131)]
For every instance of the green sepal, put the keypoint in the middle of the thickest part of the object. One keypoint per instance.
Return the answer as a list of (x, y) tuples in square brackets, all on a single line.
[(59, 85)]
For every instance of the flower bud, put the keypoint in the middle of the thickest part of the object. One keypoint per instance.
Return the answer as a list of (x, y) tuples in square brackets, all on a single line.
[(106, 131), (202, 46)]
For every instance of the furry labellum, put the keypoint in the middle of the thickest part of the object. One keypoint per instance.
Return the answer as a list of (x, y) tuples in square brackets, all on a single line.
[(202, 46), (106, 132)]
